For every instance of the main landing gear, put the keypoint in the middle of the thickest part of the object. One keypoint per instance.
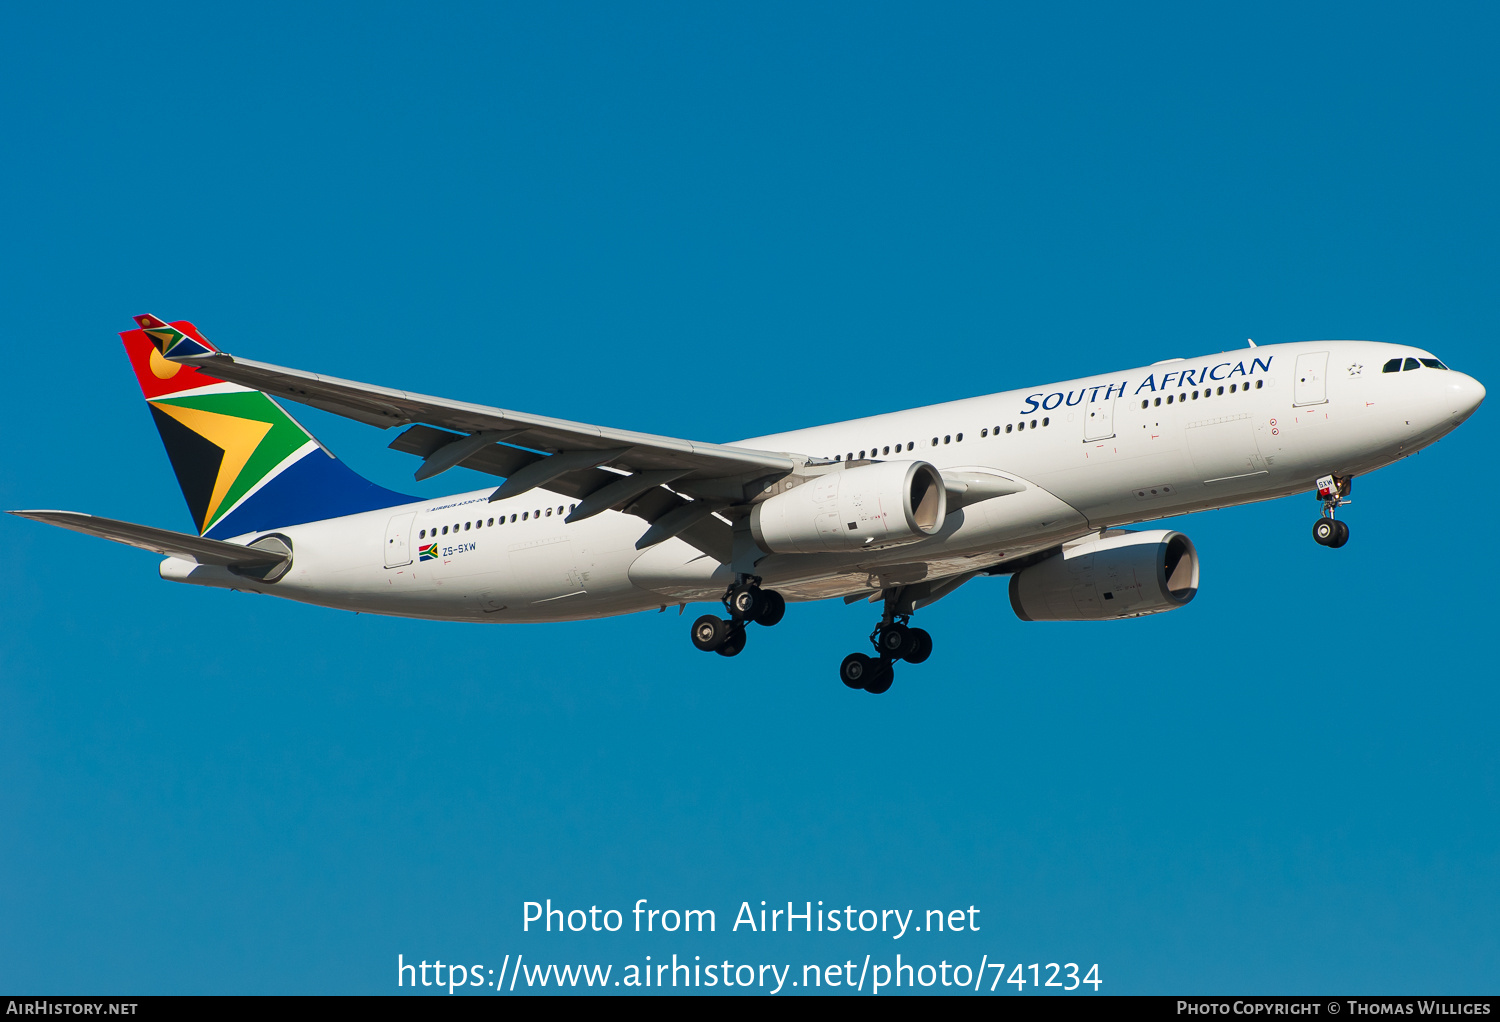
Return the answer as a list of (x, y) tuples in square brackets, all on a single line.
[(893, 640), (1333, 491), (745, 602)]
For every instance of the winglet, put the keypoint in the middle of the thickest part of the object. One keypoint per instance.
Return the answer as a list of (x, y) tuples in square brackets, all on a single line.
[(172, 342)]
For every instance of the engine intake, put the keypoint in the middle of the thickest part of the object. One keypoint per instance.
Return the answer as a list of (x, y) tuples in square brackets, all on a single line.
[(1125, 574), (888, 503)]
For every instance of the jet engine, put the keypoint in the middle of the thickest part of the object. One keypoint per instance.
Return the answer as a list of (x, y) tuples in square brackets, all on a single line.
[(1124, 574), (885, 504)]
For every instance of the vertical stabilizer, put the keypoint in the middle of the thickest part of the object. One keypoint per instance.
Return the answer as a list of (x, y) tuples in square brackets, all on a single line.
[(243, 463)]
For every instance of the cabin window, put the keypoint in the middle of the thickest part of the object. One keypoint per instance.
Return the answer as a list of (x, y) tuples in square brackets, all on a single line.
[(1020, 427), (1410, 364), (886, 449), (445, 530), (934, 441), (1047, 421), (984, 433), (1432, 363), (1169, 398), (512, 517), (851, 456), (525, 515), (491, 522), (948, 438), (1033, 424), (1393, 366), (1259, 384), (1008, 427), (1221, 390), (911, 445), (1145, 403)]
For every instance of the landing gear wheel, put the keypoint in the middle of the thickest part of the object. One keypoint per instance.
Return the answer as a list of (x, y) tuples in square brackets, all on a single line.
[(855, 669), (1340, 536), (733, 642), (1325, 530), (881, 675), (773, 610), (894, 641), (709, 633), (921, 646), (746, 602)]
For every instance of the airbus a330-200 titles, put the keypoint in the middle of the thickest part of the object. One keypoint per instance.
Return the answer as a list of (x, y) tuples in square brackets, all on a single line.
[(899, 509)]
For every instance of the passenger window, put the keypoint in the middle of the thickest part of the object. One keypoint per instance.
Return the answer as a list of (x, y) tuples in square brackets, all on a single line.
[(861, 455), (422, 534), (466, 526), (1393, 366), (1146, 403), (1046, 421), (1195, 395), (1232, 387), (549, 512), (525, 515), (960, 438), (445, 530), (1020, 426), (911, 445), (512, 517), (1259, 384), (1221, 390), (1432, 363), (1007, 427), (491, 522), (1158, 402), (1169, 399), (886, 449), (1409, 364), (850, 456), (984, 433), (934, 441), (1033, 424)]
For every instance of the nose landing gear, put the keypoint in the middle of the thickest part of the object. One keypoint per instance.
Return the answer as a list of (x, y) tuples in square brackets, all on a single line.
[(893, 640), (745, 601), (1333, 491)]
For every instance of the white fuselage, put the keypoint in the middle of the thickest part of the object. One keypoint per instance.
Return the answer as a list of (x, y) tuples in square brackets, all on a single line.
[(1104, 451)]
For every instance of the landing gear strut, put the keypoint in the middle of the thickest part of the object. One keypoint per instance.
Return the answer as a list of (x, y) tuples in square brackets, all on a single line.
[(1333, 491), (745, 602), (893, 640)]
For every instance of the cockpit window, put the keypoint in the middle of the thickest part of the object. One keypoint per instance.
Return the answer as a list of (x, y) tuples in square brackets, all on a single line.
[(1410, 363), (1432, 363), (1393, 366)]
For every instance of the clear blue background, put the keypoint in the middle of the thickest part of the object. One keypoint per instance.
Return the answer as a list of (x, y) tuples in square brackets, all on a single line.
[(711, 222)]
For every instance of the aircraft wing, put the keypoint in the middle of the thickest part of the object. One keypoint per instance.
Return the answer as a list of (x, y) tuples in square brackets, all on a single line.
[(583, 446), (160, 541)]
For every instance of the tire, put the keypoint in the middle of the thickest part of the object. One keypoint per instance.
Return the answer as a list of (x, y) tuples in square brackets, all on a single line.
[(856, 669), (709, 632), (881, 676), (1341, 535), (1324, 531), (733, 643), (747, 602), (921, 646), (893, 641), (774, 609)]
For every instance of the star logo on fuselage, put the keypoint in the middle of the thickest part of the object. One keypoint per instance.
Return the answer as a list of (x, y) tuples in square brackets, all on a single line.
[(1356, 369)]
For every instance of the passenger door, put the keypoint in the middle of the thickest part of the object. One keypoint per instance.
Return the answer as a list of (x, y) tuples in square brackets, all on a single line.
[(1310, 385), (1099, 420), (398, 540)]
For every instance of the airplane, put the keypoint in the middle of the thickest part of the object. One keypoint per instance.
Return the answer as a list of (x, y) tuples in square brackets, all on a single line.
[(899, 509)]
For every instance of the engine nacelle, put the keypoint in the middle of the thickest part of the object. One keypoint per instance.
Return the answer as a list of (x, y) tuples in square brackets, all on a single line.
[(1125, 574), (870, 507)]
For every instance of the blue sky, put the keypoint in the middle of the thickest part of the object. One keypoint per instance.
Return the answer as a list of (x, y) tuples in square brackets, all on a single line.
[(714, 222)]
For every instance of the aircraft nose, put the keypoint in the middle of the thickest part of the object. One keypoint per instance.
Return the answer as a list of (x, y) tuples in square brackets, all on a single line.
[(1466, 394)]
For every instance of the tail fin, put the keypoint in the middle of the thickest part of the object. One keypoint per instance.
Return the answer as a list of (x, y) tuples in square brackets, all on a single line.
[(243, 463)]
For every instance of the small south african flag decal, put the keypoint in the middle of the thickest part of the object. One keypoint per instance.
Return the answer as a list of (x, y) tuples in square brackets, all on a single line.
[(427, 553)]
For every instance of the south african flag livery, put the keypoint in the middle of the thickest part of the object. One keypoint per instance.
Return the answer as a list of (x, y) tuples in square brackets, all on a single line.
[(427, 552), (243, 463)]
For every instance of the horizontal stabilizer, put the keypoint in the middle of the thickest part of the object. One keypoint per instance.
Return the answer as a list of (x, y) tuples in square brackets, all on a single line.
[(160, 541)]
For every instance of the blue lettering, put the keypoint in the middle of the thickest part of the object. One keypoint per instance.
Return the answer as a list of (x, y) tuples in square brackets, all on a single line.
[(1264, 367), (1032, 404), (1239, 367), (1050, 404), (1214, 373), (1111, 391), (1072, 401), (1149, 381), (1166, 379), (1188, 377)]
